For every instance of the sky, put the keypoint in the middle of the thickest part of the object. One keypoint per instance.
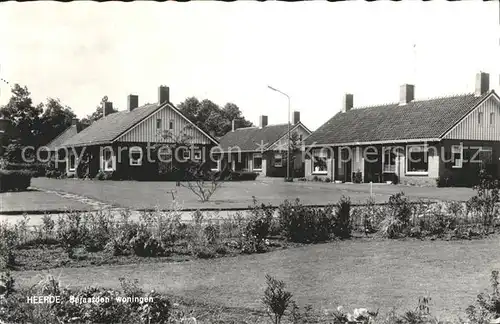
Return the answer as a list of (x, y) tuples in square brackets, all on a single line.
[(314, 51)]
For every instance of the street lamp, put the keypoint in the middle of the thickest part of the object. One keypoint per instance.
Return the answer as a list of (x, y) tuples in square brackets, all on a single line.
[(288, 154)]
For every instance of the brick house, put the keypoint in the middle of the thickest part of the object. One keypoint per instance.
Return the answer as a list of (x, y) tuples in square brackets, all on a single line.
[(412, 141), (263, 149), (125, 142)]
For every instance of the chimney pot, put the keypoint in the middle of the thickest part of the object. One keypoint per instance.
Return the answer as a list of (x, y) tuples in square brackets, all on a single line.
[(107, 108), (406, 94), (132, 102), (348, 102), (482, 83), (262, 121), (163, 94), (296, 117)]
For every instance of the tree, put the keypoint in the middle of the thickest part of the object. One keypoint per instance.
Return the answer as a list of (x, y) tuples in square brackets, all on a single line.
[(24, 115), (210, 117), (97, 114), (55, 119)]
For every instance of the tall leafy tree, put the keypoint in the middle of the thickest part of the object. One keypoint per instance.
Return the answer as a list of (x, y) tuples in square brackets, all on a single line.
[(24, 115), (210, 117), (55, 119)]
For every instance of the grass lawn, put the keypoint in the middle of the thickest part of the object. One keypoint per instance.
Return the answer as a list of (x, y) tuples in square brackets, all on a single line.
[(135, 194), (354, 273), (37, 201)]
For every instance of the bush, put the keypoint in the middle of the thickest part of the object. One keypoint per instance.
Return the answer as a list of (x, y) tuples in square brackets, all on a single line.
[(276, 299), (242, 176), (106, 175), (397, 222), (304, 224), (342, 224), (37, 169), (53, 174), (99, 230), (71, 231), (487, 306), (484, 203), (15, 180), (358, 177), (145, 245)]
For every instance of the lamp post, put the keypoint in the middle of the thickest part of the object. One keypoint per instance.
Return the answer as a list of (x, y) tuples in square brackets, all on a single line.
[(288, 153)]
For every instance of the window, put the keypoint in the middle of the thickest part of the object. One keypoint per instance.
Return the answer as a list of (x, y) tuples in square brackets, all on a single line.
[(319, 157), (197, 154), (257, 161), (389, 160), (171, 124), (479, 118), (158, 123), (135, 155), (108, 160), (186, 154), (165, 154), (457, 156), (72, 162), (485, 155), (492, 118), (300, 138), (416, 157), (278, 160)]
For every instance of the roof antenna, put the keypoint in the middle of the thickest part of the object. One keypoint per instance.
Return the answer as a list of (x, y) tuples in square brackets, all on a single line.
[(414, 63)]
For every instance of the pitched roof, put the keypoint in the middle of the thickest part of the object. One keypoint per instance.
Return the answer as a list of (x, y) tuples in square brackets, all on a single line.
[(63, 137), (250, 138), (107, 129), (423, 119)]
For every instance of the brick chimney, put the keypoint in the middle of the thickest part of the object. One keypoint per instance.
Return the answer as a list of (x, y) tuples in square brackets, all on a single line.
[(262, 121), (482, 83), (163, 94), (132, 102), (348, 102), (406, 94), (296, 117), (74, 121), (107, 108)]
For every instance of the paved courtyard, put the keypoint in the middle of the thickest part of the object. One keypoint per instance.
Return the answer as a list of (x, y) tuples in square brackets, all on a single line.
[(143, 195)]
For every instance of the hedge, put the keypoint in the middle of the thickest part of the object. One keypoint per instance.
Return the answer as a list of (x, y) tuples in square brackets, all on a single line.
[(15, 180)]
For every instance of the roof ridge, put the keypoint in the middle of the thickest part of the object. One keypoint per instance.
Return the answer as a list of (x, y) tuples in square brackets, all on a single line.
[(416, 101)]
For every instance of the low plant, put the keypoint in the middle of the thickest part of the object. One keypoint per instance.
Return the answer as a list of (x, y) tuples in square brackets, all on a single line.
[(276, 299), (358, 177), (342, 224), (71, 231), (486, 199), (15, 180), (397, 221), (486, 309)]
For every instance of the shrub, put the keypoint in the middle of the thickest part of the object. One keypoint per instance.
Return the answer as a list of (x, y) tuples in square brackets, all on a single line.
[(397, 221), (106, 175), (145, 245), (15, 180), (304, 224), (36, 169), (486, 199), (9, 239), (276, 299), (342, 224), (327, 179), (358, 177), (259, 221), (242, 176), (71, 231), (487, 306), (99, 230)]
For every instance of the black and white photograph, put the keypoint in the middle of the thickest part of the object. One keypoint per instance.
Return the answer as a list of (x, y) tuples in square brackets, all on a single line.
[(250, 162)]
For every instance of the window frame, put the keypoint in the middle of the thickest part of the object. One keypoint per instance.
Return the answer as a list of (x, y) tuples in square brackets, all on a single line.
[(278, 165), (390, 153), (457, 149), (134, 162), (197, 151), (492, 119), (171, 124), (321, 152), (254, 156), (480, 118), (105, 165), (186, 156), (426, 151), (158, 123), (72, 156)]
